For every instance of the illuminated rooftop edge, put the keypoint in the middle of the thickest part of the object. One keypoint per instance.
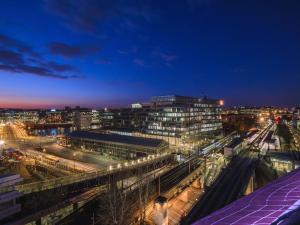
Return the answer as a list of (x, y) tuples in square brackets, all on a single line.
[(269, 204)]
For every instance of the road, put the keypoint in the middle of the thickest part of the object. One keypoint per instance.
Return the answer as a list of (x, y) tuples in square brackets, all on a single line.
[(15, 137), (94, 159)]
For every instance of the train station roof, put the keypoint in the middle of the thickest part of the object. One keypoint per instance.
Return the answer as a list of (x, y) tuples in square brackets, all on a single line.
[(276, 203), (123, 139)]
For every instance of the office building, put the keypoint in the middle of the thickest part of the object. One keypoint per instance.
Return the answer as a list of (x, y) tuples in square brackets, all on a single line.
[(82, 119), (133, 118), (181, 118)]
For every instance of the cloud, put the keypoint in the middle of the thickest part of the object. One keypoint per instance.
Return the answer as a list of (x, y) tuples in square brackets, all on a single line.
[(19, 46), (35, 70), (83, 14), (18, 57), (166, 57), (142, 11), (67, 50), (61, 67), (132, 50), (122, 52), (139, 62), (104, 61), (89, 15), (8, 57)]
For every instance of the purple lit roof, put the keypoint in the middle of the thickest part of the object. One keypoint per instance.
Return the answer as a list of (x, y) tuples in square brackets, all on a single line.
[(263, 206)]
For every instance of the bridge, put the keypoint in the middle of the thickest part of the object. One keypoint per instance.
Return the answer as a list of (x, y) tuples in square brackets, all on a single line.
[(68, 206), (93, 178)]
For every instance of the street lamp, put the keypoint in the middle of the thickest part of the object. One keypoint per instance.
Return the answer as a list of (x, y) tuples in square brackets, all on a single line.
[(1, 145), (74, 154)]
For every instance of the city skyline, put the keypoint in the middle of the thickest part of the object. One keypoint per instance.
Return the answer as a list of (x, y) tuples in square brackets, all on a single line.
[(120, 112), (113, 53)]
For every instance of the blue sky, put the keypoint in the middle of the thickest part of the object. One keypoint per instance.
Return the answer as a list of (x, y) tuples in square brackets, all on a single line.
[(112, 53)]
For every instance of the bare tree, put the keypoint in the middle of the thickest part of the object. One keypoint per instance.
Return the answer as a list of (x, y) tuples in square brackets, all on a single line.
[(116, 200), (143, 193)]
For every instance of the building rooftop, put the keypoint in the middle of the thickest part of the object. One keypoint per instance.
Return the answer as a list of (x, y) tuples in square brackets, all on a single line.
[(178, 99), (286, 156), (276, 203), (130, 140)]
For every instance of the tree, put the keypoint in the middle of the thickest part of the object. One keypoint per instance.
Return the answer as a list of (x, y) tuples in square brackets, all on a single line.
[(144, 192), (116, 200)]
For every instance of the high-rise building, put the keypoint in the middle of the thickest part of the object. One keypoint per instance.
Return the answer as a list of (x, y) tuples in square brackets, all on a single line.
[(183, 117), (95, 122), (132, 118), (172, 118), (82, 119)]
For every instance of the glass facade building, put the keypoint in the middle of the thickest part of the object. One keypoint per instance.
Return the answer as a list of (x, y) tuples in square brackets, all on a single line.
[(184, 117)]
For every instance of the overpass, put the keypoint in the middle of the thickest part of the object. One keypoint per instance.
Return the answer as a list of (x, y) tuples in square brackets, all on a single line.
[(70, 205), (93, 178)]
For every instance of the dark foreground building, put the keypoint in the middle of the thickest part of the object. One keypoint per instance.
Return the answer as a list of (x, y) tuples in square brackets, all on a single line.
[(275, 203)]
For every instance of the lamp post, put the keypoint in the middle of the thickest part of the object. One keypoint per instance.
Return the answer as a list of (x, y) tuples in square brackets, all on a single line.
[(1, 146), (74, 154)]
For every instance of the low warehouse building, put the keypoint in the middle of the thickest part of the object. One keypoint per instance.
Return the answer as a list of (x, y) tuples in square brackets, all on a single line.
[(122, 146)]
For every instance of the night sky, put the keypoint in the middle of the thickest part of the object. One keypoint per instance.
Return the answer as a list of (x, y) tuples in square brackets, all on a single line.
[(114, 52)]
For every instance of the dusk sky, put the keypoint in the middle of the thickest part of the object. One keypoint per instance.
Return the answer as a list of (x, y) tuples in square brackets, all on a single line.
[(114, 52)]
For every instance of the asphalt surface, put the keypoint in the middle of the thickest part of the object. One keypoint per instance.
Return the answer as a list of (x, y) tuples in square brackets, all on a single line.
[(16, 138)]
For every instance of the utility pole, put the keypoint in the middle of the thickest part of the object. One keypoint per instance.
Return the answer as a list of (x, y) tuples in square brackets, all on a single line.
[(204, 180), (74, 154), (159, 185), (93, 218)]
